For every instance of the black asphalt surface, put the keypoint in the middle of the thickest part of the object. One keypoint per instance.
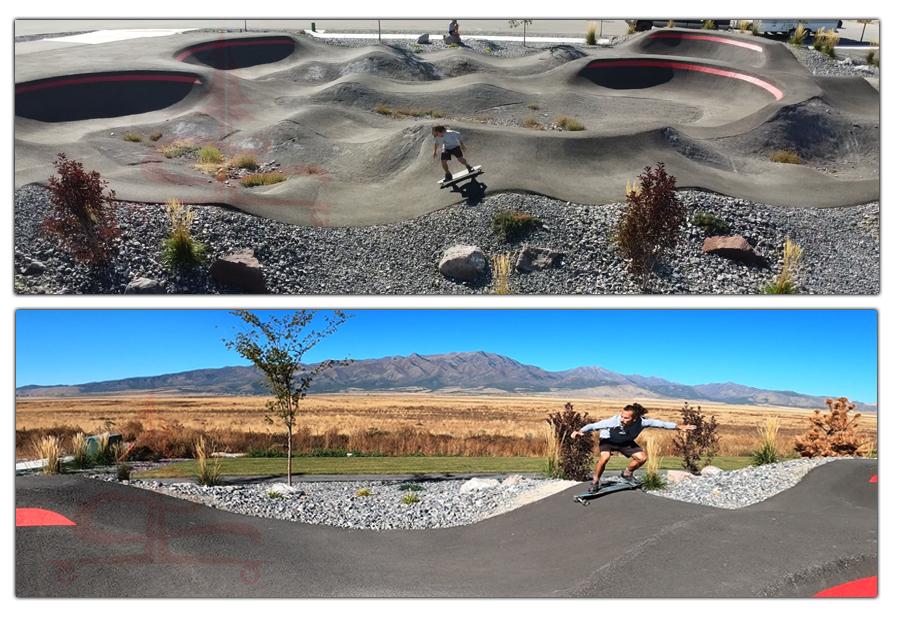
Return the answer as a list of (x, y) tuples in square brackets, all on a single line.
[(711, 109), (129, 542)]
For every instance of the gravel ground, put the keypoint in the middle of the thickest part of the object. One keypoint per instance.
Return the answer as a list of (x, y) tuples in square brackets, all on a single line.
[(442, 504), (402, 258)]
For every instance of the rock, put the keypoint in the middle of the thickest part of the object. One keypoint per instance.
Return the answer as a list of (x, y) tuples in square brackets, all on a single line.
[(513, 480), (674, 476), (284, 489), (241, 270), (452, 39), (531, 259), (462, 262), (477, 483), (733, 247), (142, 285), (33, 268), (709, 471), (423, 39)]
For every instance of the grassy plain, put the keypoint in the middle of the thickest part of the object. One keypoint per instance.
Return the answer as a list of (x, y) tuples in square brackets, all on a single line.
[(514, 425)]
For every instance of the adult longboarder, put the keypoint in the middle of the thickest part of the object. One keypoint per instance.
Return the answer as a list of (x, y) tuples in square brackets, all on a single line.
[(452, 146), (618, 434)]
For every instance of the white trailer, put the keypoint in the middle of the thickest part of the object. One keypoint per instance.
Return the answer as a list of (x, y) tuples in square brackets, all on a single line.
[(788, 27)]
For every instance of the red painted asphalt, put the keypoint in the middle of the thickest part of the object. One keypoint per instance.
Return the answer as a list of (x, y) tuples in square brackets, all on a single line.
[(36, 517)]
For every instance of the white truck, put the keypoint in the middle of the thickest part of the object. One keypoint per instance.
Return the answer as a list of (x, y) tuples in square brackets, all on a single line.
[(788, 27)]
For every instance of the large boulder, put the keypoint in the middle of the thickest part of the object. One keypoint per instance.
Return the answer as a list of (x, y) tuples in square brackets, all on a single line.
[(423, 39), (531, 259), (241, 270), (733, 247), (452, 39), (463, 262)]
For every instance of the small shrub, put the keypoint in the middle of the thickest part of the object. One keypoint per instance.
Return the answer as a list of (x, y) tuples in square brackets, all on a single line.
[(246, 162), (767, 454), (799, 36), (709, 223), (274, 494), (364, 492), (632, 24), (49, 448), (411, 498), (702, 442), (256, 180), (591, 38), (709, 25), (382, 109), (179, 249), (744, 26), (209, 155), (410, 487), (789, 279), (651, 223), (785, 156), (567, 457), (178, 149), (570, 124), (532, 123), (207, 474), (82, 213), (500, 269), (123, 468), (509, 225), (131, 137), (80, 456), (832, 434), (533, 106), (155, 135)]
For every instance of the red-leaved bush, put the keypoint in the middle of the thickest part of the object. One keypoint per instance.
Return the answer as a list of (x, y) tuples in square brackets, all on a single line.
[(82, 213)]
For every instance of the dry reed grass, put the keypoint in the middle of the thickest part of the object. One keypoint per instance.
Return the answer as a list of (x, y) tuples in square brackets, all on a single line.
[(391, 424)]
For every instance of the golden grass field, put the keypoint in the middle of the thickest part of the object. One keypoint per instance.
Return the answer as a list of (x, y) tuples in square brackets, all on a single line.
[(460, 417)]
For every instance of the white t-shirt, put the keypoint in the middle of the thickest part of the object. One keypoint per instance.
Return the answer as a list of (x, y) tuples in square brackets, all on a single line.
[(451, 139)]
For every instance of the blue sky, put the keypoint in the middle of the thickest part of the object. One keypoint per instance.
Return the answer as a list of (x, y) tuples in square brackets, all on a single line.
[(819, 352)]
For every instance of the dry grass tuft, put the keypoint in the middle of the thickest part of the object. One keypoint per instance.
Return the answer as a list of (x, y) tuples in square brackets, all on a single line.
[(785, 156), (500, 269)]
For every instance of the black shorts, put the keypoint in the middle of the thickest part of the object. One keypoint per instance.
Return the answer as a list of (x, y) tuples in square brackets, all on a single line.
[(628, 449), (456, 152)]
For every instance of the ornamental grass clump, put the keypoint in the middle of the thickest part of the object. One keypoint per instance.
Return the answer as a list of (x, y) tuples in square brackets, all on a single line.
[(569, 124), (652, 480), (49, 449), (81, 457), (510, 225), (788, 282), (258, 180), (179, 248), (207, 474), (785, 156), (500, 269), (767, 453), (591, 38), (833, 433)]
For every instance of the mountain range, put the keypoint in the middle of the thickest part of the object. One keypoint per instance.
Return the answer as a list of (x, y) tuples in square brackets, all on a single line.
[(474, 373)]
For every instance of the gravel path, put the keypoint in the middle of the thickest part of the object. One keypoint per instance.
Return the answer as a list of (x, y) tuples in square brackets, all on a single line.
[(378, 504), (840, 245)]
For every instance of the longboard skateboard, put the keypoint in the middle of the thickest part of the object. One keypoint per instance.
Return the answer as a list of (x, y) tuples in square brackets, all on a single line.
[(606, 487), (462, 176)]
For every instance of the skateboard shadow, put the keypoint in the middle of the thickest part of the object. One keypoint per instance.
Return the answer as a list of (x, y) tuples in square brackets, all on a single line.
[(472, 192)]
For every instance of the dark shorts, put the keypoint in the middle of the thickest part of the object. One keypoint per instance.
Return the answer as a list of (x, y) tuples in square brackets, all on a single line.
[(625, 448), (456, 152)]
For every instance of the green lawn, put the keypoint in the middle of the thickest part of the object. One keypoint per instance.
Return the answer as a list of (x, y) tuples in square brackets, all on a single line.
[(275, 466)]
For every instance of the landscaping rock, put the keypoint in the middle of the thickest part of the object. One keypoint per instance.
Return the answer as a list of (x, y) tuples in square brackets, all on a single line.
[(143, 285), (423, 39), (531, 259), (34, 268), (675, 476), (709, 471), (733, 247), (241, 270), (478, 483), (463, 262), (452, 39), (513, 480)]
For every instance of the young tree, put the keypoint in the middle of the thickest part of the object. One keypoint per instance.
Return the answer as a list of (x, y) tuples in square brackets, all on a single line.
[(651, 223), (82, 214), (524, 23), (277, 347)]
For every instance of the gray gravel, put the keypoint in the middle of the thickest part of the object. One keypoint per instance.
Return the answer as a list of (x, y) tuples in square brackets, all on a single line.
[(840, 245), (441, 504)]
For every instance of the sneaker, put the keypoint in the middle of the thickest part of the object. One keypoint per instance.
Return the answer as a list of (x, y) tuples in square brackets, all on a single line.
[(629, 478), (595, 487), (471, 169), (448, 176)]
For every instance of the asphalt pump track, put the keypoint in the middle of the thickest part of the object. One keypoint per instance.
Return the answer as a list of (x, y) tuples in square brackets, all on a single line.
[(351, 127), (101, 539)]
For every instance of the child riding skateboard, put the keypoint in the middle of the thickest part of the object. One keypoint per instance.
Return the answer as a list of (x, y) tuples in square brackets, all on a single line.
[(452, 146), (618, 434)]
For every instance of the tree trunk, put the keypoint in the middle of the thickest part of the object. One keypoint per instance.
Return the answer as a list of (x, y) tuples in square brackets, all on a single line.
[(290, 451)]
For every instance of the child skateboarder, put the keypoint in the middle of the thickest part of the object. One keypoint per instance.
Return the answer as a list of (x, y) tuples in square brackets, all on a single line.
[(452, 146), (618, 434)]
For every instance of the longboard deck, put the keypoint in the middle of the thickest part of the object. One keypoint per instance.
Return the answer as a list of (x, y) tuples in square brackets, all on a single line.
[(462, 176), (609, 488)]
